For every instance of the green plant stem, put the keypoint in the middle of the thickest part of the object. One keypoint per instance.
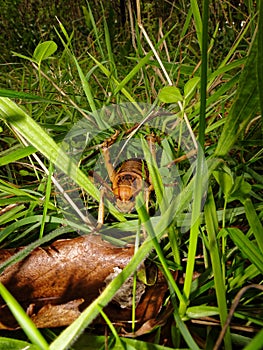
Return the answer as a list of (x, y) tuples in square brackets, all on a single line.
[(110, 325), (203, 88)]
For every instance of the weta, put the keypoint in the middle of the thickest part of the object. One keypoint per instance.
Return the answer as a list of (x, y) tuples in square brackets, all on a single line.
[(131, 177), (128, 180)]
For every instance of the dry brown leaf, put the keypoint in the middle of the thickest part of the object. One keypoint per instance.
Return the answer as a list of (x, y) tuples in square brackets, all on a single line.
[(59, 315), (54, 284)]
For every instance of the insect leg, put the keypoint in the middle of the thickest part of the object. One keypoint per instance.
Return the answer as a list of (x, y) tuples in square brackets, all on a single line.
[(101, 211), (108, 164), (151, 139)]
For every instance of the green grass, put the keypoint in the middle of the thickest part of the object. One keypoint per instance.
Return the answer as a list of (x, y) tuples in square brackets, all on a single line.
[(209, 225)]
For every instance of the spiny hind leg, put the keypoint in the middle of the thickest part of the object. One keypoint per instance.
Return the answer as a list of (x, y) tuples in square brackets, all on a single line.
[(106, 154)]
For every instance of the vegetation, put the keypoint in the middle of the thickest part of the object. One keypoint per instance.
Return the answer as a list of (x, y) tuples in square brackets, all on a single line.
[(200, 63)]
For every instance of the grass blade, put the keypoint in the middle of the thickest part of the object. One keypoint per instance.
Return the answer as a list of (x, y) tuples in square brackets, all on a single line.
[(212, 228), (254, 222), (198, 21), (47, 198), (35, 135), (26, 96), (246, 246), (203, 88), (256, 342), (14, 344), (22, 318), (17, 154), (114, 80)]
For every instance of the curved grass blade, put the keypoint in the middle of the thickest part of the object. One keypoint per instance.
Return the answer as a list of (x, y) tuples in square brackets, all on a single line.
[(23, 319), (26, 96), (17, 154)]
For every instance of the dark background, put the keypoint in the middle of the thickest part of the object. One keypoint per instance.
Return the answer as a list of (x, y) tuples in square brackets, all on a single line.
[(25, 23)]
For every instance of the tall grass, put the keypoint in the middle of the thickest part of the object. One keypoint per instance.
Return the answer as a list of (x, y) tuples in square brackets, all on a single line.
[(218, 102)]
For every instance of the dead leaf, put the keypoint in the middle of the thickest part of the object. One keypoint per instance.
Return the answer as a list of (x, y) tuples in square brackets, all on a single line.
[(150, 325), (61, 315), (54, 284), (62, 272)]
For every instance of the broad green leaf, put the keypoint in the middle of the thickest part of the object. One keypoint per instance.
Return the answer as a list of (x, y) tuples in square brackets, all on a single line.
[(240, 190), (14, 344), (201, 311), (44, 51), (170, 94), (244, 108), (225, 179)]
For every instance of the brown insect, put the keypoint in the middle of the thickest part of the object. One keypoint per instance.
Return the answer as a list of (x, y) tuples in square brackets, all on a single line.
[(128, 180)]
